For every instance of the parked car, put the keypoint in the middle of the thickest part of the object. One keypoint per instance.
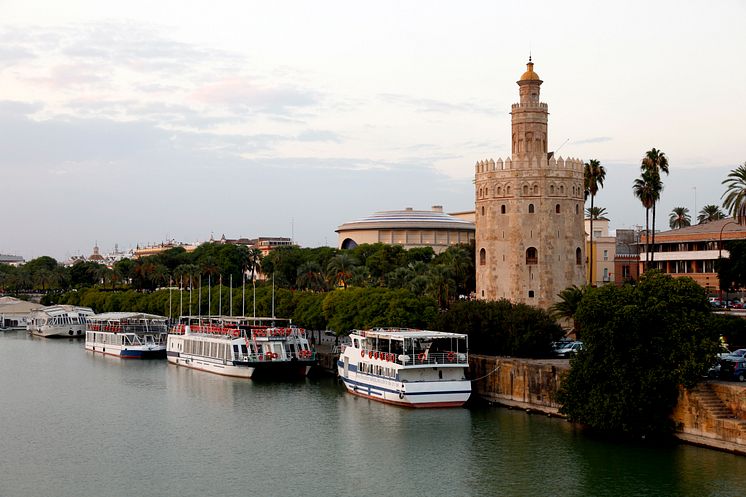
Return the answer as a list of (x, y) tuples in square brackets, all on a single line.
[(736, 354), (733, 369), (569, 348)]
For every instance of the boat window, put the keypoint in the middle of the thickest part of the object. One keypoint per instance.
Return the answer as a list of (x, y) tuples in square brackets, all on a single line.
[(243, 348)]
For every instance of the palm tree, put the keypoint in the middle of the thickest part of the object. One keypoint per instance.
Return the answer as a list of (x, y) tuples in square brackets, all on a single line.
[(735, 194), (596, 213), (594, 175), (709, 213), (679, 218), (644, 189), (255, 260), (459, 261), (310, 277), (655, 162), (340, 268), (440, 284), (567, 306)]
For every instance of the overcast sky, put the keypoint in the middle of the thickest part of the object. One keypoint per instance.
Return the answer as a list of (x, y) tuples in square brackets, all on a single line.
[(141, 121)]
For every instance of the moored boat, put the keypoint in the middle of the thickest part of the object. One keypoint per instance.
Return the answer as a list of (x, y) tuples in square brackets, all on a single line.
[(243, 347), (129, 335), (59, 321), (406, 367)]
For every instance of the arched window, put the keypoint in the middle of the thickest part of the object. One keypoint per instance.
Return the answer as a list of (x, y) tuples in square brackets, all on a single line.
[(483, 210), (482, 257), (551, 189), (499, 191), (532, 256), (502, 209), (536, 189), (577, 208), (562, 189), (507, 190), (530, 208), (480, 193), (525, 189), (578, 256), (557, 208), (487, 192)]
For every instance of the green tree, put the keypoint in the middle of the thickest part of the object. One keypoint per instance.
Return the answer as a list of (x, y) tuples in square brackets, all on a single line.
[(310, 277), (709, 213), (340, 268), (654, 163), (594, 175), (639, 344), (679, 218), (734, 197), (441, 284), (732, 269), (567, 305), (501, 327)]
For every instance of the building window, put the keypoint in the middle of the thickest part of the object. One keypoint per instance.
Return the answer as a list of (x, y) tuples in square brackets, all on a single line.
[(625, 272), (551, 189), (499, 191), (576, 208), (557, 208), (502, 209), (562, 189), (525, 189), (487, 192), (483, 210), (530, 208), (482, 257), (578, 256), (530, 294), (536, 189), (507, 190), (606, 274), (532, 256), (606, 255)]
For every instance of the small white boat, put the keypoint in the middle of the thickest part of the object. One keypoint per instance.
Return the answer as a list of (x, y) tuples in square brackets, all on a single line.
[(242, 347), (413, 368), (129, 335), (59, 321)]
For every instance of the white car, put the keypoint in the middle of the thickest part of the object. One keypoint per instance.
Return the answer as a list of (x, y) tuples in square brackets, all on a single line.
[(569, 349)]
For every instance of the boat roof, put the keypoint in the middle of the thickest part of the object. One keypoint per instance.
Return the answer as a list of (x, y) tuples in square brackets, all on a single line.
[(235, 318), (404, 333), (117, 316), (59, 310)]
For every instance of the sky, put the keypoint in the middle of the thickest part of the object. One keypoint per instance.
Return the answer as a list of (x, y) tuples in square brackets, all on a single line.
[(139, 122)]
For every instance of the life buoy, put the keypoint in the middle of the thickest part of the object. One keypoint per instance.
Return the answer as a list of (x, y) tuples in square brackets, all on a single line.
[(375, 354), (401, 394), (362, 353), (370, 355), (451, 356), (274, 355), (420, 357), (236, 333)]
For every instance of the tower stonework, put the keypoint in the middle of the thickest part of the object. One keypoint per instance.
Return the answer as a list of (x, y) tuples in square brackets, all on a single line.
[(529, 212)]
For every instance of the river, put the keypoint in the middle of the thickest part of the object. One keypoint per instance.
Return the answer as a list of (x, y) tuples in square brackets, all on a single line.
[(78, 424)]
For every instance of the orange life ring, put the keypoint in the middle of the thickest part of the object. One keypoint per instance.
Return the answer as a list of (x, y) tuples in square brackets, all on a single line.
[(362, 353), (420, 357), (375, 354), (451, 356), (236, 333), (370, 355)]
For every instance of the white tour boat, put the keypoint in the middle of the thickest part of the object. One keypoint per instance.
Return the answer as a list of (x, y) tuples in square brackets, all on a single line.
[(59, 321), (243, 347), (129, 335), (413, 368)]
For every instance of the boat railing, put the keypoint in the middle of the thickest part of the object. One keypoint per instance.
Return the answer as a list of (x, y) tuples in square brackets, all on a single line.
[(422, 358)]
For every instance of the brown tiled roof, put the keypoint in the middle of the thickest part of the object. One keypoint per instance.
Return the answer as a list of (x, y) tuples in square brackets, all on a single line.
[(706, 231)]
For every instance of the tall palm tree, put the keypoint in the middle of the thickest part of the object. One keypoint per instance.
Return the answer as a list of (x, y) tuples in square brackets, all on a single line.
[(644, 189), (255, 260), (596, 213), (310, 277), (655, 162), (594, 174), (440, 284), (679, 218), (735, 194), (709, 213)]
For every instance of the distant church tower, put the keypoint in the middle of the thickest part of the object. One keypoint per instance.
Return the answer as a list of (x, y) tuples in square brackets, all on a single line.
[(529, 212)]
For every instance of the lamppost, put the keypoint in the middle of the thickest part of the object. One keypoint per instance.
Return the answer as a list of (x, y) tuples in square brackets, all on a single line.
[(720, 256)]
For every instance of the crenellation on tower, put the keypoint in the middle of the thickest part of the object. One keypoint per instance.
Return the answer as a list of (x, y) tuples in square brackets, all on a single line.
[(529, 211)]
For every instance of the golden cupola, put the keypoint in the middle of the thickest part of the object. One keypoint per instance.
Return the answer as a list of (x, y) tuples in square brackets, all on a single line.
[(530, 75)]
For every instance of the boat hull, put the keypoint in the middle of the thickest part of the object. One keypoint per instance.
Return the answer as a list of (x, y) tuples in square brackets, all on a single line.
[(252, 370), (129, 352), (59, 331)]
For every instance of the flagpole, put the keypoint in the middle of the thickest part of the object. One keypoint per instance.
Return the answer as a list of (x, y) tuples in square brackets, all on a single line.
[(273, 295), (190, 294), (243, 293), (230, 299), (199, 297), (181, 295), (209, 295), (169, 297), (220, 292)]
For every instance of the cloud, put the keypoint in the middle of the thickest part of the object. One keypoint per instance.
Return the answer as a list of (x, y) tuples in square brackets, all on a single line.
[(246, 94), (596, 139), (431, 105), (311, 135)]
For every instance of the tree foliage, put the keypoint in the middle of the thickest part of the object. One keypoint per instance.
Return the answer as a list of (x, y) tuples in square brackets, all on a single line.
[(732, 270), (501, 328), (639, 344)]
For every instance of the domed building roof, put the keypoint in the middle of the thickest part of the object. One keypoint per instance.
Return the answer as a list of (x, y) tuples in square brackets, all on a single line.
[(408, 218), (530, 75)]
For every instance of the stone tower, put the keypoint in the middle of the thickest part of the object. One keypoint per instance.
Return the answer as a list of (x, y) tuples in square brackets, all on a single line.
[(529, 212)]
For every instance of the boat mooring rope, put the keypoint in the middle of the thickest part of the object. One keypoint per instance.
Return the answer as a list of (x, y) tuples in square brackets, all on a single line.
[(485, 376)]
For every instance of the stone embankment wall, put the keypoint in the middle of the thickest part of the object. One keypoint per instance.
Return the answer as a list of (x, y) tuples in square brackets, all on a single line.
[(713, 414), (523, 383)]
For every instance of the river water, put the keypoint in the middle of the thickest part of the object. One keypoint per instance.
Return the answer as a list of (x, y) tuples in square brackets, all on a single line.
[(78, 424)]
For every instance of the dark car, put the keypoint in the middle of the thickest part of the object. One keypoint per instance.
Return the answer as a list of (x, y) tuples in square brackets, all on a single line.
[(733, 368)]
